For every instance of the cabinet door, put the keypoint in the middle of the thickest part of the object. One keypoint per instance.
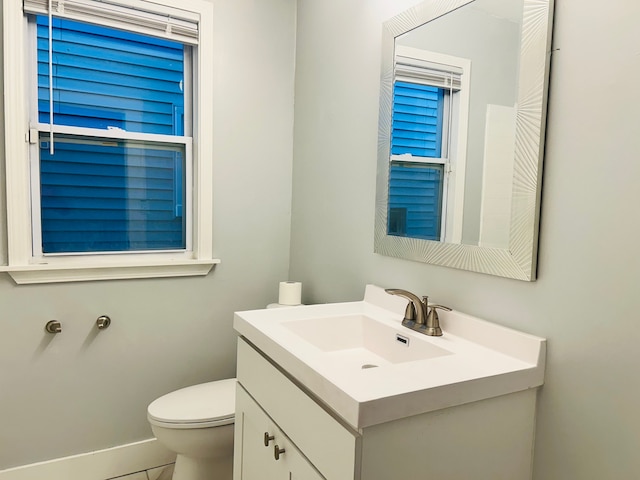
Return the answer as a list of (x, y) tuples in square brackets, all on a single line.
[(300, 469), (295, 465), (253, 460), (326, 443)]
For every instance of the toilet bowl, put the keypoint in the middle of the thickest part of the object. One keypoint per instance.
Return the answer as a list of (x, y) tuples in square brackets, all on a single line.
[(197, 423)]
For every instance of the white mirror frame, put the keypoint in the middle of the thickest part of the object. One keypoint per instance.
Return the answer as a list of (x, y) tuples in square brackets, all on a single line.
[(518, 261)]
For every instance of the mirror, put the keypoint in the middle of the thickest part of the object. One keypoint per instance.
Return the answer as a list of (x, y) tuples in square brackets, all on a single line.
[(461, 134)]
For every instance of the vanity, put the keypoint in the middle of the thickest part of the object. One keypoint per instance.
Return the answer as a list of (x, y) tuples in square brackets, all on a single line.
[(344, 391)]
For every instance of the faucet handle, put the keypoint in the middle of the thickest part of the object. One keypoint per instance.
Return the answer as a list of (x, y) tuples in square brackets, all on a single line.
[(409, 315), (432, 326), (442, 307)]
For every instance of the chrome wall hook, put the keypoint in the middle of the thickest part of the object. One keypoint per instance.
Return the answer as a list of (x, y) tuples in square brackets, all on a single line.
[(103, 322)]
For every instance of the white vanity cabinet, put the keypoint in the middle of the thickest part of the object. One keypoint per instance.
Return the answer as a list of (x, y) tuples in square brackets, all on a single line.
[(268, 402), (482, 440), (260, 440)]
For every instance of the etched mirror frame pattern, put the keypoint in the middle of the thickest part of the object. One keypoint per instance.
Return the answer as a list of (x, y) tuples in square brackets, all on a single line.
[(518, 261)]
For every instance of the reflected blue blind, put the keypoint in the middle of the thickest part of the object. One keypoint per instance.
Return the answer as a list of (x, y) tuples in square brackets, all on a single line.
[(105, 77), (101, 195), (417, 120), (415, 197)]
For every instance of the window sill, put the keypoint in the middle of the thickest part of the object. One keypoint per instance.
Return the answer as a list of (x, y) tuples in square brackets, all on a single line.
[(31, 274)]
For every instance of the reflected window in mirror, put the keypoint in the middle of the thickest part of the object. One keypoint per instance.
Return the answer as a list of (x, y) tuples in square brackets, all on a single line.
[(429, 117)]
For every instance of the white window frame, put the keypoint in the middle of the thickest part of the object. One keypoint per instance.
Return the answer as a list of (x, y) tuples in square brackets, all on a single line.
[(455, 160), (25, 267)]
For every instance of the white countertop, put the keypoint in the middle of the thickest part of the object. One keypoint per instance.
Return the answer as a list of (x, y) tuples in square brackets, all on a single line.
[(484, 360)]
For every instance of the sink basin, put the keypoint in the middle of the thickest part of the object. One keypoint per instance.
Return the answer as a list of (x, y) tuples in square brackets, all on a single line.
[(358, 341), (369, 369)]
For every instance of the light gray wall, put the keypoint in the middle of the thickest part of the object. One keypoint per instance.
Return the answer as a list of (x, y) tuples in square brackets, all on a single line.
[(585, 300), (81, 391)]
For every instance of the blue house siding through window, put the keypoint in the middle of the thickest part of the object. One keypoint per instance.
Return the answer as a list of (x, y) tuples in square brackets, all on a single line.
[(415, 189), (110, 195), (105, 77), (101, 198), (415, 194)]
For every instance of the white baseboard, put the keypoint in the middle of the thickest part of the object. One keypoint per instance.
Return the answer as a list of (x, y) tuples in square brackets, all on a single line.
[(98, 465)]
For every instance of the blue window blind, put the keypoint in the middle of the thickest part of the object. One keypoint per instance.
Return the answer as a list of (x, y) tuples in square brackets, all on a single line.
[(416, 189), (415, 200), (101, 195), (417, 120)]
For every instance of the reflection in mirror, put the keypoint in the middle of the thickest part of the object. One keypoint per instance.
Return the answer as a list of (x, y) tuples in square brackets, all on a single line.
[(461, 121), (437, 57), (428, 144)]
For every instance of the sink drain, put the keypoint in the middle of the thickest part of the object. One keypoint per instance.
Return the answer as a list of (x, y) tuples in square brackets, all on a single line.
[(368, 365)]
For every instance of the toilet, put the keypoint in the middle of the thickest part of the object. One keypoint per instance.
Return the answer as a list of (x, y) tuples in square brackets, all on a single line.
[(197, 423)]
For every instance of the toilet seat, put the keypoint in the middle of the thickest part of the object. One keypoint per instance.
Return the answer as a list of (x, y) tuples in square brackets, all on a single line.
[(205, 405)]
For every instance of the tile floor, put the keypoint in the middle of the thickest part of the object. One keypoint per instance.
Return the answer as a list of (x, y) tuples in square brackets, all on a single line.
[(159, 473)]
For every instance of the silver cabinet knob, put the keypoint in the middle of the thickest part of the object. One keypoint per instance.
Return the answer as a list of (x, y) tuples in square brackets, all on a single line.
[(103, 322), (277, 451), (53, 326), (267, 438)]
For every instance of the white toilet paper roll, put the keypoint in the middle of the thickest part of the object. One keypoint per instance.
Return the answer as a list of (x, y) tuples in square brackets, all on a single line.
[(290, 293)]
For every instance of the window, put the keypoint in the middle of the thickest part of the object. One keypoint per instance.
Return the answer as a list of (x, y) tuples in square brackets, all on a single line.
[(118, 182), (428, 114), (98, 194)]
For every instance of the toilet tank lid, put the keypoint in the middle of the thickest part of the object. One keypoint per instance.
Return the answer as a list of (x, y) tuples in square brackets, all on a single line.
[(196, 404)]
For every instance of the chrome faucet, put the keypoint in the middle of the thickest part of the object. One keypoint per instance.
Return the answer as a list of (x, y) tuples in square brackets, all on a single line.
[(415, 313), (420, 315)]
